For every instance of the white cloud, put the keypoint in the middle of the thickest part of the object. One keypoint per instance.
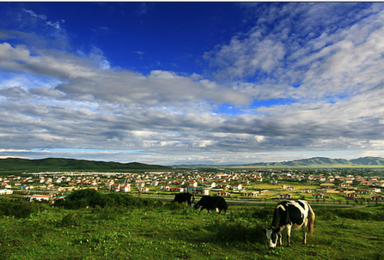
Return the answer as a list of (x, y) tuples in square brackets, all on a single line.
[(33, 14), (98, 55), (333, 61), (55, 25), (20, 59)]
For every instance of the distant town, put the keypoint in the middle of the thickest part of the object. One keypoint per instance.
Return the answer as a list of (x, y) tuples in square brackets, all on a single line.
[(358, 185)]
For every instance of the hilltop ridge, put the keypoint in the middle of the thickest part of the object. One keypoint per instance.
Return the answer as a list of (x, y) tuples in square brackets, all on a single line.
[(61, 164), (325, 161)]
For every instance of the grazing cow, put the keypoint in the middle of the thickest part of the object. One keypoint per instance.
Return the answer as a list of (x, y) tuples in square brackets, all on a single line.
[(290, 214), (207, 202), (182, 197)]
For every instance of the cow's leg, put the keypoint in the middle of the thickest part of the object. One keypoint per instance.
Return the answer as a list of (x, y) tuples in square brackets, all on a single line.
[(289, 228), (305, 232), (280, 238)]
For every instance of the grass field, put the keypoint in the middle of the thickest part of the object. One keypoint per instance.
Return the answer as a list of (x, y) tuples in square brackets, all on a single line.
[(176, 232)]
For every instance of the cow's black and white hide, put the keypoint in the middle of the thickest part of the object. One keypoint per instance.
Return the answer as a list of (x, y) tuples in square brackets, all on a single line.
[(290, 215)]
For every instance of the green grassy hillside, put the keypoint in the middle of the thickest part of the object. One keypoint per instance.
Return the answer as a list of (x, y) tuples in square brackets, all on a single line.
[(173, 231), (368, 161), (324, 161), (60, 164)]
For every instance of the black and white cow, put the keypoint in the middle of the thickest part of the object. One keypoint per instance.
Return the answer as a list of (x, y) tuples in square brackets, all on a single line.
[(208, 202), (182, 197), (290, 215)]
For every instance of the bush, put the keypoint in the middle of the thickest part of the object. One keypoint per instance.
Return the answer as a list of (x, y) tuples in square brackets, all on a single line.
[(82, 199), (109, 213), (325, 214), (118, 199), (253, 215), (237, 231), (69, 220), (18, 209), (332, 214), (174, 206), (92, 198)]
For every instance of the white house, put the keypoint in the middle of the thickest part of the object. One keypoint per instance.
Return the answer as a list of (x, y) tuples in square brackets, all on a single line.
[(6, 192), (164, 188), (250, 194), (192, 183), (198, 191), (39, 198), (6, 185), (318, 196), (125, 188), (176, 189), (286, 196), (377, 198), (224, 193), (236, 186), (209, 184), (351, 195)]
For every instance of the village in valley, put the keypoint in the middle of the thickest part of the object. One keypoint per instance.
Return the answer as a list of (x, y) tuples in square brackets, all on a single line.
[(342, 186)]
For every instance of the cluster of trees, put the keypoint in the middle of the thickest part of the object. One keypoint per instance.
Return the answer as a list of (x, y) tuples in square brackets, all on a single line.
[(76, 200), (18, 208), (92, 198)]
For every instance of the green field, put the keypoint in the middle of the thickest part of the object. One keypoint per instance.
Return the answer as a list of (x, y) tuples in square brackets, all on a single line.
[(149, 229)]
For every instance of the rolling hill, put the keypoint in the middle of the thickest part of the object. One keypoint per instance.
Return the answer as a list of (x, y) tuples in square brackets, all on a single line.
[(324, 161), (17, 165), (61, 164), (368, 161)]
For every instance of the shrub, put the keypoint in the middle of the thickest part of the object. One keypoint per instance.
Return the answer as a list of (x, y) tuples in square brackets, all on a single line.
[(69, 220), (18, 209), (325, 214), (332, 214), (82, 199), (92, 198), (116, 199), (109, 212), (87, 197), (252, 214), (238, 231), (174, 206)]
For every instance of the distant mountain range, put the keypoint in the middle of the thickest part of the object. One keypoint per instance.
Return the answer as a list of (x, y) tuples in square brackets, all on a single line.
[(324, 161), (60, 164)]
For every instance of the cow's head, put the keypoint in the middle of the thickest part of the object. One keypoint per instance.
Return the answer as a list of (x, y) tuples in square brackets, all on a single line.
[(196, 206), (273, 236)]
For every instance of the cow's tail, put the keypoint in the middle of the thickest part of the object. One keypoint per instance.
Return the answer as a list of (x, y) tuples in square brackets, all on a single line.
[(311, 219), (193, 198)]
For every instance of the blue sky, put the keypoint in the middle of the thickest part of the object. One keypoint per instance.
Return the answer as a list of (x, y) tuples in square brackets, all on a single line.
[(191, 83)]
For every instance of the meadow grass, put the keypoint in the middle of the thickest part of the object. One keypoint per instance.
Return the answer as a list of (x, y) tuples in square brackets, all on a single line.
[(173, 231)]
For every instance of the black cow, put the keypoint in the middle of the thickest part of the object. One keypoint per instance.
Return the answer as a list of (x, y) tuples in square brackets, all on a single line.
[(216, 203), (182, 197), (290, 214)]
